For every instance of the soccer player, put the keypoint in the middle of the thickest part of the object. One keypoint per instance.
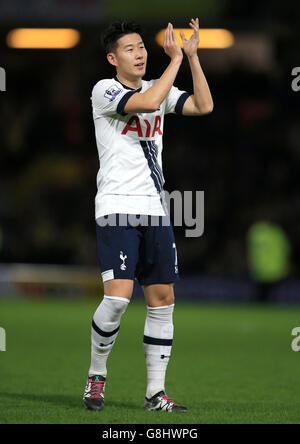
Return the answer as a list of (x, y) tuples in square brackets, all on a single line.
[(128, 115)]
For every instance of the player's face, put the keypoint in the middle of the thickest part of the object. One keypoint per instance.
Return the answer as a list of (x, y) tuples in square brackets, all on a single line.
[(131, 56)]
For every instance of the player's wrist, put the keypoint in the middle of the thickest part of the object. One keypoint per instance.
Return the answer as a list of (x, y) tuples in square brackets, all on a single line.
[(177, 59), (193, 56)]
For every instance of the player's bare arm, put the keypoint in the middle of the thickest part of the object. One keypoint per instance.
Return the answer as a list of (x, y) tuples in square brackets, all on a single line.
[(201, 101), (150, 100)]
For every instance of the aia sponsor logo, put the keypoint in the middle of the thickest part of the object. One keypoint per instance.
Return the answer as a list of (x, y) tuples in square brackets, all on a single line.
[(143, 127)]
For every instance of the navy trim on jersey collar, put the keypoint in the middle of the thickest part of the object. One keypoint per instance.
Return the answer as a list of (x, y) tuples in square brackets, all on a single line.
[(127, 87)]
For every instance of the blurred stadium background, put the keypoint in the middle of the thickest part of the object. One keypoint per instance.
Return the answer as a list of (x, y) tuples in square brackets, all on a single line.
[(245, 156)]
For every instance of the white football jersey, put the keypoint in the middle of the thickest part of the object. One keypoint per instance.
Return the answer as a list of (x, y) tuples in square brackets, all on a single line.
[(130, 179)]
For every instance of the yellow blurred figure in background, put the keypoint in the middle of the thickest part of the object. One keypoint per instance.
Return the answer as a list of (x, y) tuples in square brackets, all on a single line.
[(269, 253)]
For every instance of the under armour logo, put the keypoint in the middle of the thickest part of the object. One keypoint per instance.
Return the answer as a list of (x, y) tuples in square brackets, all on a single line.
[(123, 258), (105, 345)]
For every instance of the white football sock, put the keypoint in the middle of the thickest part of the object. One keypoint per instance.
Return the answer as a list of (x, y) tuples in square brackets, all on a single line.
[(105, 328), (158, 338)]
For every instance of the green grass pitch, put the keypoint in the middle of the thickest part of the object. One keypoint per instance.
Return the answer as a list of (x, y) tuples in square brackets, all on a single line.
[(230, 364)]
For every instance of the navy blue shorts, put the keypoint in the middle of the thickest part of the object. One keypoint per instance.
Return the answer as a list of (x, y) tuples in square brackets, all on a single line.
[(137, 247)]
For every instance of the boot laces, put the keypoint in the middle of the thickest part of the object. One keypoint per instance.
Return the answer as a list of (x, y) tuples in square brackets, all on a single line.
[(166, 398), (97, 388)]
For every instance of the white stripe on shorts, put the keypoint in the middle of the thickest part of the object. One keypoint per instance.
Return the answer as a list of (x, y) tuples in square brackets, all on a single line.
[(107, 275)]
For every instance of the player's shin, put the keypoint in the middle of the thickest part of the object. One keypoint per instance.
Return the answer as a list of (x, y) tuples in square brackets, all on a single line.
[(158, 338), (105, 329)]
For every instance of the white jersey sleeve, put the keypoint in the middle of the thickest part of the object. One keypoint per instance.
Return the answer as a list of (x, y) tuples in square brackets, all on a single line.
[(109, 98), (175, 100)]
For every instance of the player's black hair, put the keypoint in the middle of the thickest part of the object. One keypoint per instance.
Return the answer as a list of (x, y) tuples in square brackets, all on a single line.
[(115, 31)]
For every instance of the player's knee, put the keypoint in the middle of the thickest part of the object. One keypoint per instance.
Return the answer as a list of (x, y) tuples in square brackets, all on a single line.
[(165, 296), (118, 287), (170, 299)]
